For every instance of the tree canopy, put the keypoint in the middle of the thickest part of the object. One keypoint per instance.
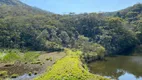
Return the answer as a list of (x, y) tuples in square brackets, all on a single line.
[(23, 26)]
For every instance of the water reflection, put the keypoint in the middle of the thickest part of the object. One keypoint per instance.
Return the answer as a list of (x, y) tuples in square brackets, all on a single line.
[(25, 77), (128, 76), (120, 67)]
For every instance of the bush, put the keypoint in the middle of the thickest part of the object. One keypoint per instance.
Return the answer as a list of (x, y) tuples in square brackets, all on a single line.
[(50, 58), (37, 62), (3, 73), (14, 75), (30, 73)]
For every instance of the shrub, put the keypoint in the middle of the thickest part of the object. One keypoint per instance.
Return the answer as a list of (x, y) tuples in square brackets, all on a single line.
[(14, 75), (3, 73), (35, 72), (37, 62), (30, 73), (50, 58)]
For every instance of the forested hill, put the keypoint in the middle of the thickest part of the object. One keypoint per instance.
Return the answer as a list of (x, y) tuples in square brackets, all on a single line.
[(26, 27), (131, 14), (18, 8), (11, 2)]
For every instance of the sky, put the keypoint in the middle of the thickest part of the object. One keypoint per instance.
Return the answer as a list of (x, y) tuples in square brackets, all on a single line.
[(81, 6)]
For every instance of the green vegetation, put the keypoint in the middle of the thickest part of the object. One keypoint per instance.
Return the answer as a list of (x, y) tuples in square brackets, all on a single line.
[(69, 68), (3, 73), (35, 29), (91, 51), (24, 28), (35, 73), (15, 55), (50, 58), (31, 56), (11, 57), (14, 75), (30, 73)]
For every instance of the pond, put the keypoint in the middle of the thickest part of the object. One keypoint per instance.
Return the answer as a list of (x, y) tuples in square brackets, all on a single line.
[(119, 67), (25, 77)]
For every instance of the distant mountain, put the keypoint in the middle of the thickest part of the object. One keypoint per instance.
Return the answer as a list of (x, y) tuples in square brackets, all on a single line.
[(16, 7)]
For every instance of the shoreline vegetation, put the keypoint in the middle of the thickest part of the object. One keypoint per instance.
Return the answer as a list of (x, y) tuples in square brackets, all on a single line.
[(69, 68), (68, 65)]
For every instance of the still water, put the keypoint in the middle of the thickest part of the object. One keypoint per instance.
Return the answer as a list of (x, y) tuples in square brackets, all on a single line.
[(119, 67)]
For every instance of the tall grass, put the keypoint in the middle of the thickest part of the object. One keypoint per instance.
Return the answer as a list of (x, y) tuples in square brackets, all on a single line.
[(13, 55), (30, 56)]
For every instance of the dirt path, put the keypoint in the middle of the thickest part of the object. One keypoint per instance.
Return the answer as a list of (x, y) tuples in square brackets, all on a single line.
[(55, 56)]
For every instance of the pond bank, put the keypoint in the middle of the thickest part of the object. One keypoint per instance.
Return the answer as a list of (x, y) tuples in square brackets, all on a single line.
[(70, 68), (119, 67)]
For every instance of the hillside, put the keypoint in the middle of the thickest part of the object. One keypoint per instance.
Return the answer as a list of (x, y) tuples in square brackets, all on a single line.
[(11, 2), (131, 14), (32, 28), (26, 30)]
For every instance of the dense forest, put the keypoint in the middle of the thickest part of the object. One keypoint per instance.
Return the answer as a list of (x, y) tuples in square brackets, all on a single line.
[(28, 28), (23, 27)]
